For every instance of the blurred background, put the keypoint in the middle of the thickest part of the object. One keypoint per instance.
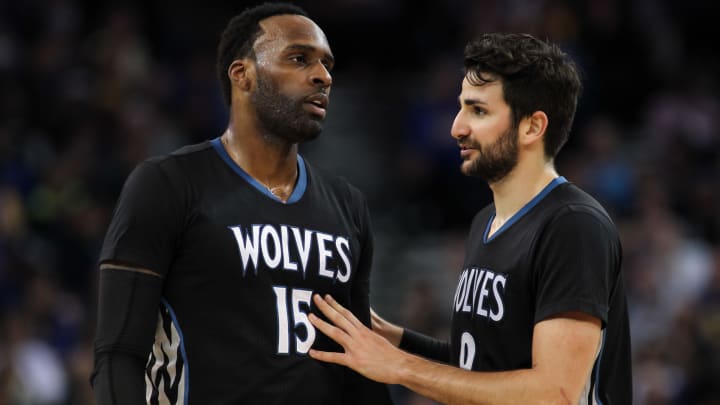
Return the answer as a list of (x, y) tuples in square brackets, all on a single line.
[(88, 89)]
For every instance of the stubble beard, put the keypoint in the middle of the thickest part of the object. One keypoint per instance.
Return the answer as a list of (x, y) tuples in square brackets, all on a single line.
[(282, 118)]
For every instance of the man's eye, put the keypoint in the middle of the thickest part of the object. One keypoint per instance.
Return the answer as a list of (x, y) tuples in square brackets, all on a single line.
[(298, 59)]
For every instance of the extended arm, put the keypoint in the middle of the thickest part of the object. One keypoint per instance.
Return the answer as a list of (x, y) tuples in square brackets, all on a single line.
[(411, 341), (564, 349)]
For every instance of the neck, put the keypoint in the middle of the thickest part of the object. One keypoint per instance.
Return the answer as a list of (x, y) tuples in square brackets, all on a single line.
[(519, 187), (272, 164)]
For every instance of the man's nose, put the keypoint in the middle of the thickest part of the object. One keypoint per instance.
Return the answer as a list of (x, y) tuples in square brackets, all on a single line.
[(459, 128), (320, 75)]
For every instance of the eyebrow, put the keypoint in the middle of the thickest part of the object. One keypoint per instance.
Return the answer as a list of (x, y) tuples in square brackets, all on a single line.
[(310, 48), (470, 101)]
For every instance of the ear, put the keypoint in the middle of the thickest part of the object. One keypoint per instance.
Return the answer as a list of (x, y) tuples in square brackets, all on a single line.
[(533, 127), (241, 73)]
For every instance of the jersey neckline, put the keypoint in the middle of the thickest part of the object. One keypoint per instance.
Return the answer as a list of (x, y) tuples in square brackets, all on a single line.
[(524, 210), (300, 186)]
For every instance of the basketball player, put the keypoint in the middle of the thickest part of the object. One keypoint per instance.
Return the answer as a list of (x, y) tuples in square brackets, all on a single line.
[(214, 251), (539, 315)]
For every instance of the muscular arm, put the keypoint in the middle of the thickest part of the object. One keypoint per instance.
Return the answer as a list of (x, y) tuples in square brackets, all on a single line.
[(564, 348), (127, 315)]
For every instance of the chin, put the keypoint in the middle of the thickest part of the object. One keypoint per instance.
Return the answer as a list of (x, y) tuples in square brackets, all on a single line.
[(466, 168), (307, 134), (309, 138)]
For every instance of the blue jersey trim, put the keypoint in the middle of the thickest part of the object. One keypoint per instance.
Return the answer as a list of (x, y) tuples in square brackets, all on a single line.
[(182, 348), (524, 210), (300, 186)]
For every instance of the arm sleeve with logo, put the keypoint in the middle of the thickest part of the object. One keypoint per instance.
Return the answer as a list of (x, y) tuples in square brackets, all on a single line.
[(577, 257), (141, 235)]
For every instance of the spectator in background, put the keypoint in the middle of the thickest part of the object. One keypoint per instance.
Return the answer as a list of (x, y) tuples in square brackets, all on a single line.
[(135, 80)]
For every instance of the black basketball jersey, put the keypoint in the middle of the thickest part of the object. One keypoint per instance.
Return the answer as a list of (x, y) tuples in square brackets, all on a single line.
[(240, 268), (559, 253)]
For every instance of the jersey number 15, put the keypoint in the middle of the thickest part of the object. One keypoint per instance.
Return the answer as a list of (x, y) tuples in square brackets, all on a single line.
[(298, 306)]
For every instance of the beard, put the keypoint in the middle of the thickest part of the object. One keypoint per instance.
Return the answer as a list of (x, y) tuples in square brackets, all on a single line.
[(495, 161), (282, 117)]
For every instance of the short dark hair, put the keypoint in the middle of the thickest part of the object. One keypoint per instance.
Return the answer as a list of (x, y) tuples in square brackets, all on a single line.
[(535, 76), (237, 40)]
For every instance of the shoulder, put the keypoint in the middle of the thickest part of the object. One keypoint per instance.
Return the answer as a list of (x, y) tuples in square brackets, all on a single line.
[(175, 160), (572, 208), (176, 166), (167, 176), (572, 200)]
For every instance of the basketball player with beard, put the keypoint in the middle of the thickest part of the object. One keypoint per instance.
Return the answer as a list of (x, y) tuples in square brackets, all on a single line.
[(214, 251), (539, 314)]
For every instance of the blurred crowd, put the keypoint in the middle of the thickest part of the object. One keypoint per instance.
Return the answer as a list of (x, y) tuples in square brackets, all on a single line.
[(89, 89)]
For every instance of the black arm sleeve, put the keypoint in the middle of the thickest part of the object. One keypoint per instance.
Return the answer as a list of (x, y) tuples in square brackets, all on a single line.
[(127, 315), (425, 346)]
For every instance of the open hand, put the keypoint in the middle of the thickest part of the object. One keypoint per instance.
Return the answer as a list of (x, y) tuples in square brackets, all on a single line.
[(365, 351)]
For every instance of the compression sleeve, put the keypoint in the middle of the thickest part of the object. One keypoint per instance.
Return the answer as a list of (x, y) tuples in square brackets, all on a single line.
[(127, 316), (360, 390), (425, 346)]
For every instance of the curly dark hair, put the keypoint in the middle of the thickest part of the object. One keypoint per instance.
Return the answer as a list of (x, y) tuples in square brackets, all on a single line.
[(238, 37), (535, 76)]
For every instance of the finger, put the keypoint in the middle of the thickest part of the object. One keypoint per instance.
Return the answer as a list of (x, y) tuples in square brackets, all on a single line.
[(346, 313), (324, 307), (329, 357), (329, 330), (337, 318)]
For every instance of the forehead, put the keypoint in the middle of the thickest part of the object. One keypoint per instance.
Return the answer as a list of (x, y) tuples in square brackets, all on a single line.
[(489, 92), (281, 31)]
